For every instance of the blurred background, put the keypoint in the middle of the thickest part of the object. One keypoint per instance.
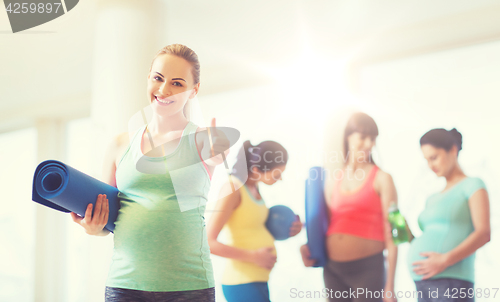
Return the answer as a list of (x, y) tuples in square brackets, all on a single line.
[(275, 70)]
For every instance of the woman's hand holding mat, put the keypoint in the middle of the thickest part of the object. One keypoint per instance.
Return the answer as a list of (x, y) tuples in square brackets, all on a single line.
[(306, 256), (94, 224), (63, 188)]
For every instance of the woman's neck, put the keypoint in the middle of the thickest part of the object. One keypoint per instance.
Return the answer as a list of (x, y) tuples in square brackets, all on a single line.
[(161, 125), (455, 175), (354, 165), (251, 183), (252, 187)]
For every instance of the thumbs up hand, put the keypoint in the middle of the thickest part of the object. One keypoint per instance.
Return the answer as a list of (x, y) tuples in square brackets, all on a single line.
[(215, 146)]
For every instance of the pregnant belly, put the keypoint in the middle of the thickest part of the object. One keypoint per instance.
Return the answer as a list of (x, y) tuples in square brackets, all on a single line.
[(150, 235), (343, 247), (424, 243)]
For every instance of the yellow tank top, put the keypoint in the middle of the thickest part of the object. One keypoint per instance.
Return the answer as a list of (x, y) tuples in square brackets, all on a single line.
[(246, 229)]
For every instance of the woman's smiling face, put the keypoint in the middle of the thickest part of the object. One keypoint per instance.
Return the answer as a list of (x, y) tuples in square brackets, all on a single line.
[(170, 84)]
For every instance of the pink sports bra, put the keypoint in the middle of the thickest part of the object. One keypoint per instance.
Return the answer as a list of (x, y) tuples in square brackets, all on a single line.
[(357, 213)]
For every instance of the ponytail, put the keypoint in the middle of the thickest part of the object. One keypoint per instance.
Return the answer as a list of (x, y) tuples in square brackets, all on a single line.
[(258, 156), (240, 168), (457, 136)]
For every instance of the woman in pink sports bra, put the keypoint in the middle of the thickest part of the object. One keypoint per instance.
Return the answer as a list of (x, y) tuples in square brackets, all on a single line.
[(358, 197)]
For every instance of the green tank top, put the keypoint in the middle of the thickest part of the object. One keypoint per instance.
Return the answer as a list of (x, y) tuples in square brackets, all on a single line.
[(446, 222), (160, 241)]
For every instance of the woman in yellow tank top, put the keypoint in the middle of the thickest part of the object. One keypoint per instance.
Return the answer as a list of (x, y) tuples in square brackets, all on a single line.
[(242, 211)]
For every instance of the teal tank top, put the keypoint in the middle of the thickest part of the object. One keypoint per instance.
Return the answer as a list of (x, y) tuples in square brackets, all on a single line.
[(446, 222), (160, 241)]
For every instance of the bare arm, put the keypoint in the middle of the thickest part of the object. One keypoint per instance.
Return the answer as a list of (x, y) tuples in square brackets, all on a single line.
[(113, 154), (480, 213), (212, 142), (226, 205), (388, 195), (94, 224), (224, 209)]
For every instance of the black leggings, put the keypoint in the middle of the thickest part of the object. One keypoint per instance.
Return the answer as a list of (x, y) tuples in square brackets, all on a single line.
[(357, 280), (114, 294)]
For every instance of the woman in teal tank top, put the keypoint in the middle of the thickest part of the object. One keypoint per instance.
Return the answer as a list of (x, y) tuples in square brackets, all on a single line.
[(161, 251), (455, 223)]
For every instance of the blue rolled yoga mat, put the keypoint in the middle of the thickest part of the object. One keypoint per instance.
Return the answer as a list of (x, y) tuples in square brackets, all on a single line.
[(63, 188), (316, 216)]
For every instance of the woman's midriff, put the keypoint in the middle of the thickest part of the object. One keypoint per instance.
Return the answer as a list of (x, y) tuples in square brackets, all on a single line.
[(343, 247)]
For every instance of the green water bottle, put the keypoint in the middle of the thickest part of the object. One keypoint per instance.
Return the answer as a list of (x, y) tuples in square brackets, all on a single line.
[(398, 225)]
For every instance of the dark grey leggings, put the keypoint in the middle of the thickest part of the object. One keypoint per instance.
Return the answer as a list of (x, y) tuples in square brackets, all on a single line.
[(445, 290), (114, 294), (358, 280)]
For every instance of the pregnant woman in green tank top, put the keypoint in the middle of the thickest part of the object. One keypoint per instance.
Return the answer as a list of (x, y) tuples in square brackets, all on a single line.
[(455, 223), (161, 251)]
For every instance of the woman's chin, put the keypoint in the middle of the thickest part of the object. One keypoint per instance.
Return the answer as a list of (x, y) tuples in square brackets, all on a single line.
[(163, 110), (269, 182)]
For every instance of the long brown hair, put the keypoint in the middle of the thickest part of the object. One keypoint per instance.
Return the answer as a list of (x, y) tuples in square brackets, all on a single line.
[(362, 123)]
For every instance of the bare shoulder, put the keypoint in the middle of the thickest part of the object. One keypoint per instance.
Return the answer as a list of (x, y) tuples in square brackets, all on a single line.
[(114, 152), (232, 189), (118, 146), (384, 186), (201, 136), (383, 177), (383, 182), (331, 177), (122, 139), (230, 196)]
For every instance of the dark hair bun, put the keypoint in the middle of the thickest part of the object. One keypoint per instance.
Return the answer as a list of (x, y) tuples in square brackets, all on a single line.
[(246, 147), (240, 167), (442, 138), (457, 136), (251, 156)]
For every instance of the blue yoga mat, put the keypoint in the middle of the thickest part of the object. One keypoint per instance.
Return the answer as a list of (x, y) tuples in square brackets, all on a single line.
[(316, 216), (63, 188)]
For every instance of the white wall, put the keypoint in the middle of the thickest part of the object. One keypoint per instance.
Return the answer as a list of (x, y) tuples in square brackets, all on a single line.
[(17, 215)]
